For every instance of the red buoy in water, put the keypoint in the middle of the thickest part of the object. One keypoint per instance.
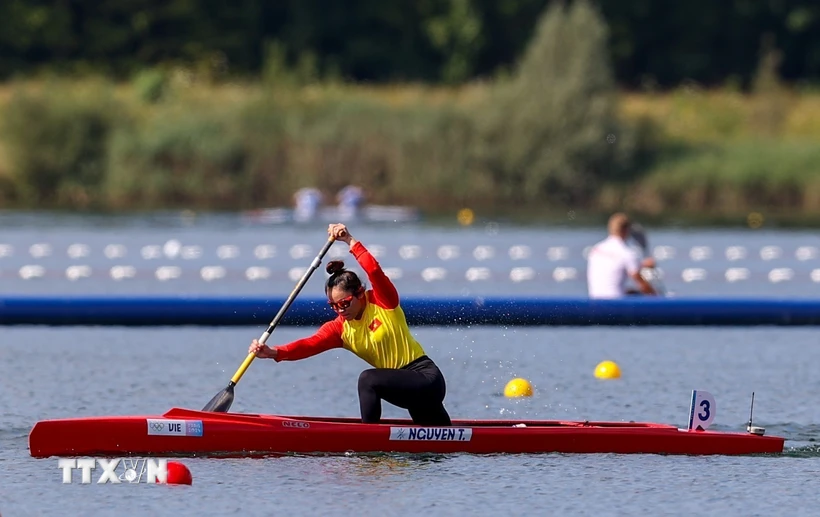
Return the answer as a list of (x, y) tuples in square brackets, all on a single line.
[(178, 474)]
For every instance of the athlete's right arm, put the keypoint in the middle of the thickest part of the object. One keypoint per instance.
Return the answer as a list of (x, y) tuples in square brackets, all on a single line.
[(327, 337), (643, 285), (633, 268)]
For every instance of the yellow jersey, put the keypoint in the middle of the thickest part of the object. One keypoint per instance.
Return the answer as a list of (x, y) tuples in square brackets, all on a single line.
[(381, 336)]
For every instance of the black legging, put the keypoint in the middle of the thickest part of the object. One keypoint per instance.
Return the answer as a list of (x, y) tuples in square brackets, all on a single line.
[(418, 387)]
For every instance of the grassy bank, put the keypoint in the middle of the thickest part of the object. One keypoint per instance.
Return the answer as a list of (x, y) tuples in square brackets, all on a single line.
[(724, 153), (182, 143)]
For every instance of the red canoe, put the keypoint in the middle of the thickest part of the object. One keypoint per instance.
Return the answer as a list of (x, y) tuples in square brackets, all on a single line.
[(183, 432)]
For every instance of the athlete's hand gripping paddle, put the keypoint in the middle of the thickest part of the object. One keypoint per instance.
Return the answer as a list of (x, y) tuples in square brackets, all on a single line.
[(222, 401), (639, 234)]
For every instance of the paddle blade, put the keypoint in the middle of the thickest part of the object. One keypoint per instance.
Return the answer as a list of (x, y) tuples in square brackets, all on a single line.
[(221, 402), (639, 235)]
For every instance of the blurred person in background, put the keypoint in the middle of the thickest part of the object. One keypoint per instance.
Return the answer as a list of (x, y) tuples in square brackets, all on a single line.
[(351, 200), (612, 262), (307, 202)]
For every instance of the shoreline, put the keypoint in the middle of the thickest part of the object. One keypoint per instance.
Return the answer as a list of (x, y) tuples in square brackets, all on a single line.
[(708, 160)]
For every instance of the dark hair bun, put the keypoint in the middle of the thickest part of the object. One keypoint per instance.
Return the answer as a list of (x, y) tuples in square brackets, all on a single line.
[(334, 266)]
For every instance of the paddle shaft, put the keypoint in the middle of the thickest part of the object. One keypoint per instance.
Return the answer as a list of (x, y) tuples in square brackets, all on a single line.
[(639, 234), (275, 322)]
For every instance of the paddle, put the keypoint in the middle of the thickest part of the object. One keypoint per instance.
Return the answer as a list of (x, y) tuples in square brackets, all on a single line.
[(222, 401), (639, 234)]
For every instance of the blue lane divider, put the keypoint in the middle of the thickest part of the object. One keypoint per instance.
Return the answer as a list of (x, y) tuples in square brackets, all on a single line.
[(224, 311)]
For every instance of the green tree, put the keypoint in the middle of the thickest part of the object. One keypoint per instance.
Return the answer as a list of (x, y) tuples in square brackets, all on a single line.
[(457, 34), (551, 132)]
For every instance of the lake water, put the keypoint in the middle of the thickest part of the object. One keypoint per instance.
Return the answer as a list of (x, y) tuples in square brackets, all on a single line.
[(82, 371)]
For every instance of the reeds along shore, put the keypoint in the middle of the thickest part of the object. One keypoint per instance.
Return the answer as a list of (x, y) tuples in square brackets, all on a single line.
[(92, 145)]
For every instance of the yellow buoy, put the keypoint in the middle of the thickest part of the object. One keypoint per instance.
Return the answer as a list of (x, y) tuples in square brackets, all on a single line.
[(755, 220), (465, 217), (607, 370), (518, 387)]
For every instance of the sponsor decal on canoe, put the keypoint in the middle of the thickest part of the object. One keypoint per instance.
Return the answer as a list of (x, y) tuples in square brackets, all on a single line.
[(166, 427), (295, 423), (438, 434)]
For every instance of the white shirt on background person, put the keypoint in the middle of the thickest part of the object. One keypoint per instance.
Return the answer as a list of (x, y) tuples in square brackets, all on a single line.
[(609, 264)]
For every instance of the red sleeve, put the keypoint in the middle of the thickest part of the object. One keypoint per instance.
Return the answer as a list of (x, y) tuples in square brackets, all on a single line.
[(384, 292), (328, 336)]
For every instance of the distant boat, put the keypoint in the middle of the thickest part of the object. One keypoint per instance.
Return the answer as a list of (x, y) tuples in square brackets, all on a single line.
[(368, 214)]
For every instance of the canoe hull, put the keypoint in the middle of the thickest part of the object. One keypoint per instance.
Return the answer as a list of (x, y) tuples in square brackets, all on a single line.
[(182, 432)]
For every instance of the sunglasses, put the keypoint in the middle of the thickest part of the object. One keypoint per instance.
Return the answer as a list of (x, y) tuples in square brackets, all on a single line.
[(343, 304)]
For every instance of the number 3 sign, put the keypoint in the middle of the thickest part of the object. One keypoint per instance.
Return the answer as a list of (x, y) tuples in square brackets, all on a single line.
[(702, 410)]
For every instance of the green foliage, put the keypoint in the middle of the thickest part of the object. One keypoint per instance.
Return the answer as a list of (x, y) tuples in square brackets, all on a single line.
[(451, 41), (547, 132), (769, 90), (410, 153), (457, 34), (151, 85), (57, 140), (191, 156), (732, 178), (552, 132), (278, 73)]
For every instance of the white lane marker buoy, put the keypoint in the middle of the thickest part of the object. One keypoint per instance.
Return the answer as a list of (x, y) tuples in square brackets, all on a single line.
[(165, 273), (522, 274), (693, 274), (432, 274), (393, 273), (338, 252), (190, 252), (736, 274), (298, 251), (475, 274), (123, 272), (32, 271), (77, 272), (735, 253), (227, 251), (556, 253), (561, 274), (483, 252), (78, 251), (377, 250), (257, 273), (171, 248), (211, 273), (448, 252), (663, 253), (295, 273), (770, 252), (698, 253), (265, 251), (520, 252), (40, 250), (781, 274), (804, 253), (410, 251), (113, 251), (151, 251)]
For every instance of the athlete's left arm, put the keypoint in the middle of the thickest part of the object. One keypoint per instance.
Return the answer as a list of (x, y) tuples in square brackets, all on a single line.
[(384, 292)]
